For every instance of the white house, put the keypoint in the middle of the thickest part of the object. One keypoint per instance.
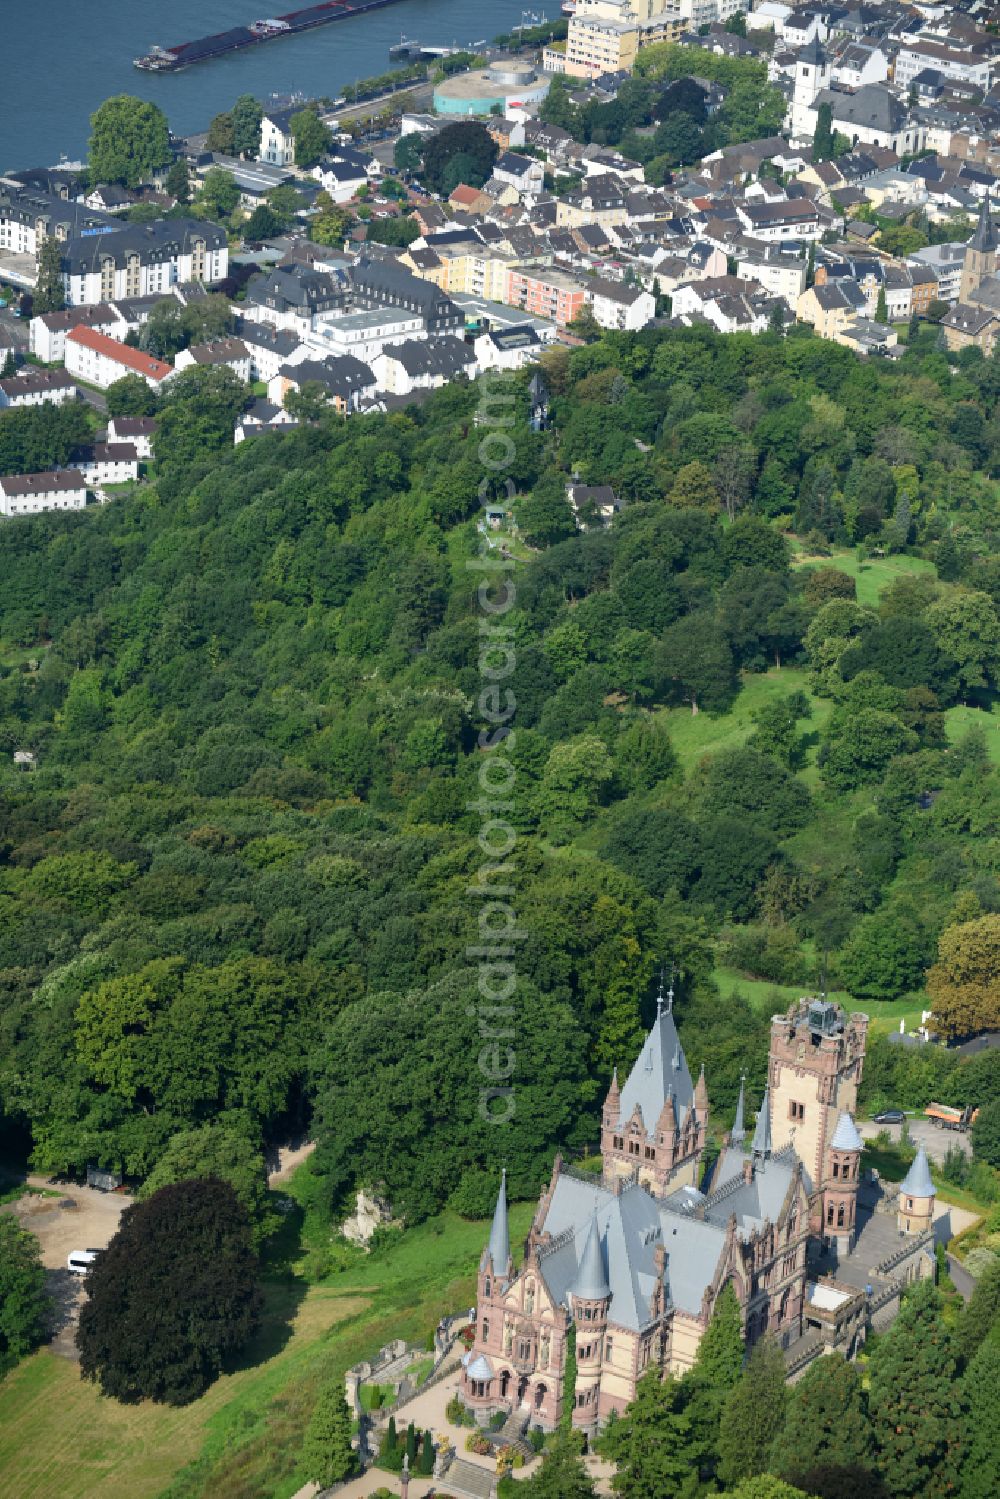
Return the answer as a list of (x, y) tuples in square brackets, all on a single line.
[(109, 463), (365, 333), (424, 365), (277, 143), (30, 494), (137, 430), (34, 387), (615, 304), (793, 219), (858, 64), (525, 173), (94, 357), (779, 275), (507, 348), (962, 65), (230, 352), (47, 332), (269, 348)]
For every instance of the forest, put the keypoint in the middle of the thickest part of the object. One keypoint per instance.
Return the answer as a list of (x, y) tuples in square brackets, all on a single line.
[(235, 885)]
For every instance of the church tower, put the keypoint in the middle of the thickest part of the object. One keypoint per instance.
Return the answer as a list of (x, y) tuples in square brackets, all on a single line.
[(812, 76), (980, 258), (654, 1127), (814, 1069)]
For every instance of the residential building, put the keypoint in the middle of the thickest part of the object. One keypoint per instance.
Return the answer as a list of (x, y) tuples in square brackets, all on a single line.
[(402, 368), (379, 283), (29, 216), (964, 65), (346, 381), (34, 387), (780, 275), (341, 179), (617, 304), (946, 262), (137, 430), (269, 348), (292, 297), (228, 353), (968, 326), (507, 348), (30, 494), (100, 360), (363, 334), (277, 143), (109, 463), (546, 292), (831, 307), (138, 260), (790, 219), (47, 332), (524, 173)]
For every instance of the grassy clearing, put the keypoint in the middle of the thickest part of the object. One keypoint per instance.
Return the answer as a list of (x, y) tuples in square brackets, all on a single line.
[(770, 998), (892, 1164), (58, 1436), (958, 722), (694, 735), (872, 577)]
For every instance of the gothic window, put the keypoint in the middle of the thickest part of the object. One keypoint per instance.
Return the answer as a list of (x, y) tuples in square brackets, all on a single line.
[(486, 1287), (619, 1142), (486, 1330), (829, 1215), (840, 1216), (836, 1170), (529, 1297), (524, 1350)]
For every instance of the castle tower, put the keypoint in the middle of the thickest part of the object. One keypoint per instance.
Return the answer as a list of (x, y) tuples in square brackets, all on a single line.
[(654, 1127), (814, 1069), (496, 1271), (812, 76), (915, 1211), (980, 259), (840, 1185), (590, 1296), (738, 1132)]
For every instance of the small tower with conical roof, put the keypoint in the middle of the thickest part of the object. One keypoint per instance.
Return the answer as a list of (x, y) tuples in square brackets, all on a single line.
[(590, 1296), (761, 1147), (840, 1184), (980, 259), (915, 1210)]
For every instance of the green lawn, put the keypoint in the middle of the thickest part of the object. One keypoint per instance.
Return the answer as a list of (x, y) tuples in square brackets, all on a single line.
[(694, 735), (872, 577), (958, 722), (58, 1436)]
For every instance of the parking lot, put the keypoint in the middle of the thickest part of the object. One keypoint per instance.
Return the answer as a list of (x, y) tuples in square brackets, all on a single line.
[(79, 1218), (936, 1142)]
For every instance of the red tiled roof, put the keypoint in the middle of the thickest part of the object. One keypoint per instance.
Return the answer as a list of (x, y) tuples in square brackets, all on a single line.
[(111, 348)]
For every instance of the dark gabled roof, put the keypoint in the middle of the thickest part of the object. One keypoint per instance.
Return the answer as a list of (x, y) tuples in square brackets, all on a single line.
[(35, 380), (53, 481), (162, 240), (447, 357), (340, 376)]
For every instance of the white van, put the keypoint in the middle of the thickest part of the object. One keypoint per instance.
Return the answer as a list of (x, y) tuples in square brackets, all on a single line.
[(80, 1260)]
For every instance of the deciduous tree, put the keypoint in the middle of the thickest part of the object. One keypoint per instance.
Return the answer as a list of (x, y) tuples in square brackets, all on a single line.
[(129, 142)]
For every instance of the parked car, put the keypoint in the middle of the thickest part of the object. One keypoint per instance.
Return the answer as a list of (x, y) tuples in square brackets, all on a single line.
[(80, 1260), (890, 1116)]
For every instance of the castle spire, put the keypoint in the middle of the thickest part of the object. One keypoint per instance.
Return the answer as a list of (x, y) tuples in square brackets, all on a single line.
[(739, 1133), (591, 1282), (701, 1092), (499, 1243), (762, 1132)]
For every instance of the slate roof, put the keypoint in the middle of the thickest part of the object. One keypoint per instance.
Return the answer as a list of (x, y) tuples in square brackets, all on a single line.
[(917, 1181), (591, 1282), (659, 1072), (845, 1136), (161, 240)]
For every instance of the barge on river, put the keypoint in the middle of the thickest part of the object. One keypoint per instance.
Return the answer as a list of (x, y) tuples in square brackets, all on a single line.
[(170, 59)]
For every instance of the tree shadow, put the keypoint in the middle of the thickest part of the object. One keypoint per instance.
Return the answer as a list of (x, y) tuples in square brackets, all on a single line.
[(283, 1293)]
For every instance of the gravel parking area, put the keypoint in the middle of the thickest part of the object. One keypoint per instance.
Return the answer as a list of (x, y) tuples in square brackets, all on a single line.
[(79, 1218), (936, 1142)]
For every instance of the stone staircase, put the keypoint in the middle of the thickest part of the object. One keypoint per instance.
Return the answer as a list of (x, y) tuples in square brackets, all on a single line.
[(468, 1480), (512, 1433)]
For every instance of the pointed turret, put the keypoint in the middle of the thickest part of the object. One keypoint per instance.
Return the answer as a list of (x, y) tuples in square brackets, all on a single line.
[(917, 1181), (739, 1132), (498, 1247), (613, 1102), (701, 1093), (591, 1282), (762, 1132)]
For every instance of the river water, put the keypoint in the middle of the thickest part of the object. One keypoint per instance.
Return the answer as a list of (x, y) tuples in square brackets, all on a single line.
[(60, 58)]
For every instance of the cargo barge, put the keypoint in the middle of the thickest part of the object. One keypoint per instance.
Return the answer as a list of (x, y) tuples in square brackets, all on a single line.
[(169, 59)]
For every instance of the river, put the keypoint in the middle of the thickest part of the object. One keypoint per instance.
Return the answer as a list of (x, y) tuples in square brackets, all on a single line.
[(60, 58)]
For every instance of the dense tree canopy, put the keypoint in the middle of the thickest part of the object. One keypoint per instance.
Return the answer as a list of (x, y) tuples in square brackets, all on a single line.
[(174, 1294), (130, 140)]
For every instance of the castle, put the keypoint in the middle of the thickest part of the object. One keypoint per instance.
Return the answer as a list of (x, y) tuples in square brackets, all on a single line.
[(636, 1258)]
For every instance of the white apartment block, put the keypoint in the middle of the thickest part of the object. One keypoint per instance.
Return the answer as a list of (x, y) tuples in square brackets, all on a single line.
[(965, 67), (34, 387), (100, 360), (143, 260), (30, 494)]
